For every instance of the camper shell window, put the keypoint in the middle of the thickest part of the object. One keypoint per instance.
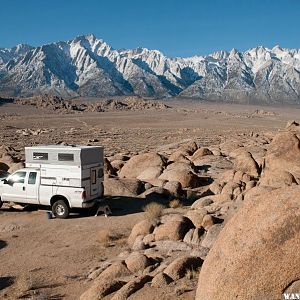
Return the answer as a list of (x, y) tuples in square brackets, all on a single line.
[(94, 177), (40, 156), (65, 157)]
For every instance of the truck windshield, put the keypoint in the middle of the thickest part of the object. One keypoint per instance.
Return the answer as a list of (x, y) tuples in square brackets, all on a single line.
[(18, 177)]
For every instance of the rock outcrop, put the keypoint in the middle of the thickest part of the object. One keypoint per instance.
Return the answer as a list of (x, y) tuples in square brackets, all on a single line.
[(174, 229), (282, 161), (122, 187), (137, 165), (254, 256)]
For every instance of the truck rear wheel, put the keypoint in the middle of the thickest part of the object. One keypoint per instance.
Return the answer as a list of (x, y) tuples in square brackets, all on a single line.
[(60, 209)]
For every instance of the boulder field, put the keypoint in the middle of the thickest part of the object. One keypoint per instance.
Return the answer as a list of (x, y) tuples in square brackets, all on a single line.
[(239, 233), (224, 220)]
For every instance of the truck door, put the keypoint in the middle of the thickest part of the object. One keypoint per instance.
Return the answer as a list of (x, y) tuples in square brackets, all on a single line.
[(14, 190), (32, 188), (94, 186)]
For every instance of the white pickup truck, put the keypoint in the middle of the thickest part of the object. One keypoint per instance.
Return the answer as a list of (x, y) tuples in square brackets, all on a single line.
[(61, 177)]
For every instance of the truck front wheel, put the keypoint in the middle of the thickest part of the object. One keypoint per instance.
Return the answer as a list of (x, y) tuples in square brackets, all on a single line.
[(60, 209), (1, 203)]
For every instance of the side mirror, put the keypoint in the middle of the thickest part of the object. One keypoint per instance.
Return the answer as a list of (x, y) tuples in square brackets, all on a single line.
[(8, 181)]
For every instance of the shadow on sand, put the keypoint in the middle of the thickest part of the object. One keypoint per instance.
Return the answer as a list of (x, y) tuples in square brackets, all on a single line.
[(3, 244), (119, 205), (6, 282)]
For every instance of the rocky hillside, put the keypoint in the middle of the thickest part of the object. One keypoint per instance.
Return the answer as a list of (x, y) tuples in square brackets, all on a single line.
[(87, 66), (58, 104)]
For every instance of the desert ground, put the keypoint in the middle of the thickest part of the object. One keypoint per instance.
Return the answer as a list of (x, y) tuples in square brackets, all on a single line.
[(57, 259), (135, 131)]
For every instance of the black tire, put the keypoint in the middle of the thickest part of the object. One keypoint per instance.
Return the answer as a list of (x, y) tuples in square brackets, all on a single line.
[(1, 203), (60, 209)]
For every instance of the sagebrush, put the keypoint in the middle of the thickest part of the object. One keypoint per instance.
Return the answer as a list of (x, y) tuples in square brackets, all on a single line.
[(153, 210)]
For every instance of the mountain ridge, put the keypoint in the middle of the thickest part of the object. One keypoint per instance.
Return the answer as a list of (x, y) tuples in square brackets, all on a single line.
[(89, 67)]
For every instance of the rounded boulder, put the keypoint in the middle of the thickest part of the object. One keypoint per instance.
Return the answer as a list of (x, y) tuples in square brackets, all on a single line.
[(174, 229), (137, 164), (255, 255)]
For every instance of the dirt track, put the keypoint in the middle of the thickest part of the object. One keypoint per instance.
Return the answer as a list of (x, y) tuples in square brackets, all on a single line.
[(53, 256)]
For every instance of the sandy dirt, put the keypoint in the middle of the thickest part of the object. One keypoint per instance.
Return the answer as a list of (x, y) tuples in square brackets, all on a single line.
[(52, 257)]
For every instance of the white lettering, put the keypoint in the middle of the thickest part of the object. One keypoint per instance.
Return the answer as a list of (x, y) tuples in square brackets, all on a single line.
[(293, 296)]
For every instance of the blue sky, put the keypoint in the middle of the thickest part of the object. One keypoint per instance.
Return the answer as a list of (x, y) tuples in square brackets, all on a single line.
[(176, 27)]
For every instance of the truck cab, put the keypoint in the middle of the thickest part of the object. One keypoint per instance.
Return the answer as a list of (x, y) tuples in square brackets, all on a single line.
[(21, 187), (62, 177)]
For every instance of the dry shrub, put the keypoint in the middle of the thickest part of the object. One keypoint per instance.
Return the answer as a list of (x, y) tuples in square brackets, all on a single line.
[(105, 237), (30, 282), (32, 287), (153, 210), (175, 203)]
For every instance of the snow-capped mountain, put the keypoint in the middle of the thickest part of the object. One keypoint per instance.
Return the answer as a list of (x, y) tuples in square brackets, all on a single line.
[(87, 66)]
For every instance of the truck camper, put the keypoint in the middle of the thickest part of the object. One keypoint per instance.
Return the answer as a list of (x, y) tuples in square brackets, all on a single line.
[(62, 177)]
